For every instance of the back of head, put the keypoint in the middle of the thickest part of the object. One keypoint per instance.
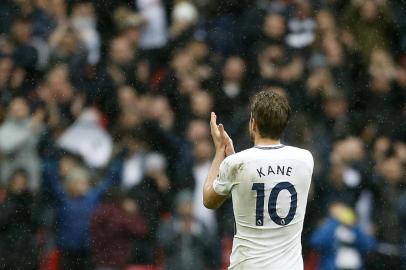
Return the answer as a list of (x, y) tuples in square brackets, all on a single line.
[(271, 112)]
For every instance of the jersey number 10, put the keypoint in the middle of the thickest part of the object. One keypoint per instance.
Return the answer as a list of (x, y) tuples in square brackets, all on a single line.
[(260, 189)]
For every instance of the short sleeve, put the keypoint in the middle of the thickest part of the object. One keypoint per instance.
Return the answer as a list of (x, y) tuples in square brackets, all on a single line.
[(310, 160), (222, 185)]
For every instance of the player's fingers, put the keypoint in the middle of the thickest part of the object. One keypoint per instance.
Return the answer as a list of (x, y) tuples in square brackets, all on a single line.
[(213, 124), (222, 131), (226, 135)]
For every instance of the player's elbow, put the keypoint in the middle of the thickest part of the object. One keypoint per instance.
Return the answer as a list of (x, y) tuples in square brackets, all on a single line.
[(212, 201), (209, 204)]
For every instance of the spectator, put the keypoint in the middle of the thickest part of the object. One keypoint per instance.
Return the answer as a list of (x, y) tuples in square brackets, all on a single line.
[(155, 33), (75, 205), (390, 181), (361, 20), (184, 20), (341, 240), (114, 226), (184, 239), (84, 22), (203, 152), (19, 135), (18, 225), (151, 194), (301, 26), (133, 166), (25, 56), (229, 93), (129, 25)]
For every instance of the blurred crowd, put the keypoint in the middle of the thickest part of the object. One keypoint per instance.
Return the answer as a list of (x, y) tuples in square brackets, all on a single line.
[(104, 136)]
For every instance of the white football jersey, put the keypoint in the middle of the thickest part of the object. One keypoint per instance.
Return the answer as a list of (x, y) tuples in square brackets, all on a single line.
[(269, 187)]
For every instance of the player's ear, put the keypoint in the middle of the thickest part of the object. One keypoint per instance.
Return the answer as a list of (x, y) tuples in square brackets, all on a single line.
[(253, 124)]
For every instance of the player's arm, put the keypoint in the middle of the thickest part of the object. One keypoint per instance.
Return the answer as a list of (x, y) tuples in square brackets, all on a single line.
[(224, 147)]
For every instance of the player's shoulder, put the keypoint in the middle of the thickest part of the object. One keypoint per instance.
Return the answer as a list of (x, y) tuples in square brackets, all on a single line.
[(304, 153), (239, 156), (300, 154)]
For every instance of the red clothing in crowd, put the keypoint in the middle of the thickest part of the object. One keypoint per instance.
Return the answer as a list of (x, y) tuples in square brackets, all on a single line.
[(113, 231)]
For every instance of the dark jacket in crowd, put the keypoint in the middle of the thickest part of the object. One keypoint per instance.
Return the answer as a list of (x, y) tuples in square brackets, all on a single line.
[(185, 250), (17, 232)]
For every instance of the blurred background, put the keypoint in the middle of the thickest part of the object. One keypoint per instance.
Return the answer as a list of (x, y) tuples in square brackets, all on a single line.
[(104, 136)]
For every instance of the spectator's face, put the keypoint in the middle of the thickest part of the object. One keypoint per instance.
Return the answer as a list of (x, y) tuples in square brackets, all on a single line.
[(129, 118), (320, 80), (201, 104), (354, 149), (332, 49), (274, 26), (185, 209), (197, 129), (69, 43), (198, 49), (78, 187), (392, 170), (59, 84), (66, 164), (303, 9), (380, 83), (401, 76), (400, 149), (133, 35), (19, 183), (18, 109), (348, 150), (121, 52), (381, 59), (335, 107), (369, 10), (234, 69), (21, 31), (83, 10), (159, 107), (203, 150), (183, 62), (381, 147), (326, 21), (57, 8), (6, 65), (189, 85), (127, 98), (6, 46)]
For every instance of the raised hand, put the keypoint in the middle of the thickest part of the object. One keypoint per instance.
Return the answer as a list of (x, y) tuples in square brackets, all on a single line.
[(229, 150), (221, 139)]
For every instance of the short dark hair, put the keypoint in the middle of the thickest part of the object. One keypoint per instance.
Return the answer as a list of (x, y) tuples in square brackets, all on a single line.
[(271, 112)]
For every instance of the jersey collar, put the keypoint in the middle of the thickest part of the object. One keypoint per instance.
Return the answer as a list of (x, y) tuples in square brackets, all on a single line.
[(269, 147)]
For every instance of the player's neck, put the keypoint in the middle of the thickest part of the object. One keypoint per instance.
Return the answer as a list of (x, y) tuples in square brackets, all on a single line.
[(266, 141)]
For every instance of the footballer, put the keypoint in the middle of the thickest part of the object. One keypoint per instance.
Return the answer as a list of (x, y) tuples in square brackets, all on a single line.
[(269, 184)]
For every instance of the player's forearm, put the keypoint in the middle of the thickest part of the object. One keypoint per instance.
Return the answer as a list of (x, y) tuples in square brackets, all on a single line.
[(214, 169), (209, 197)]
